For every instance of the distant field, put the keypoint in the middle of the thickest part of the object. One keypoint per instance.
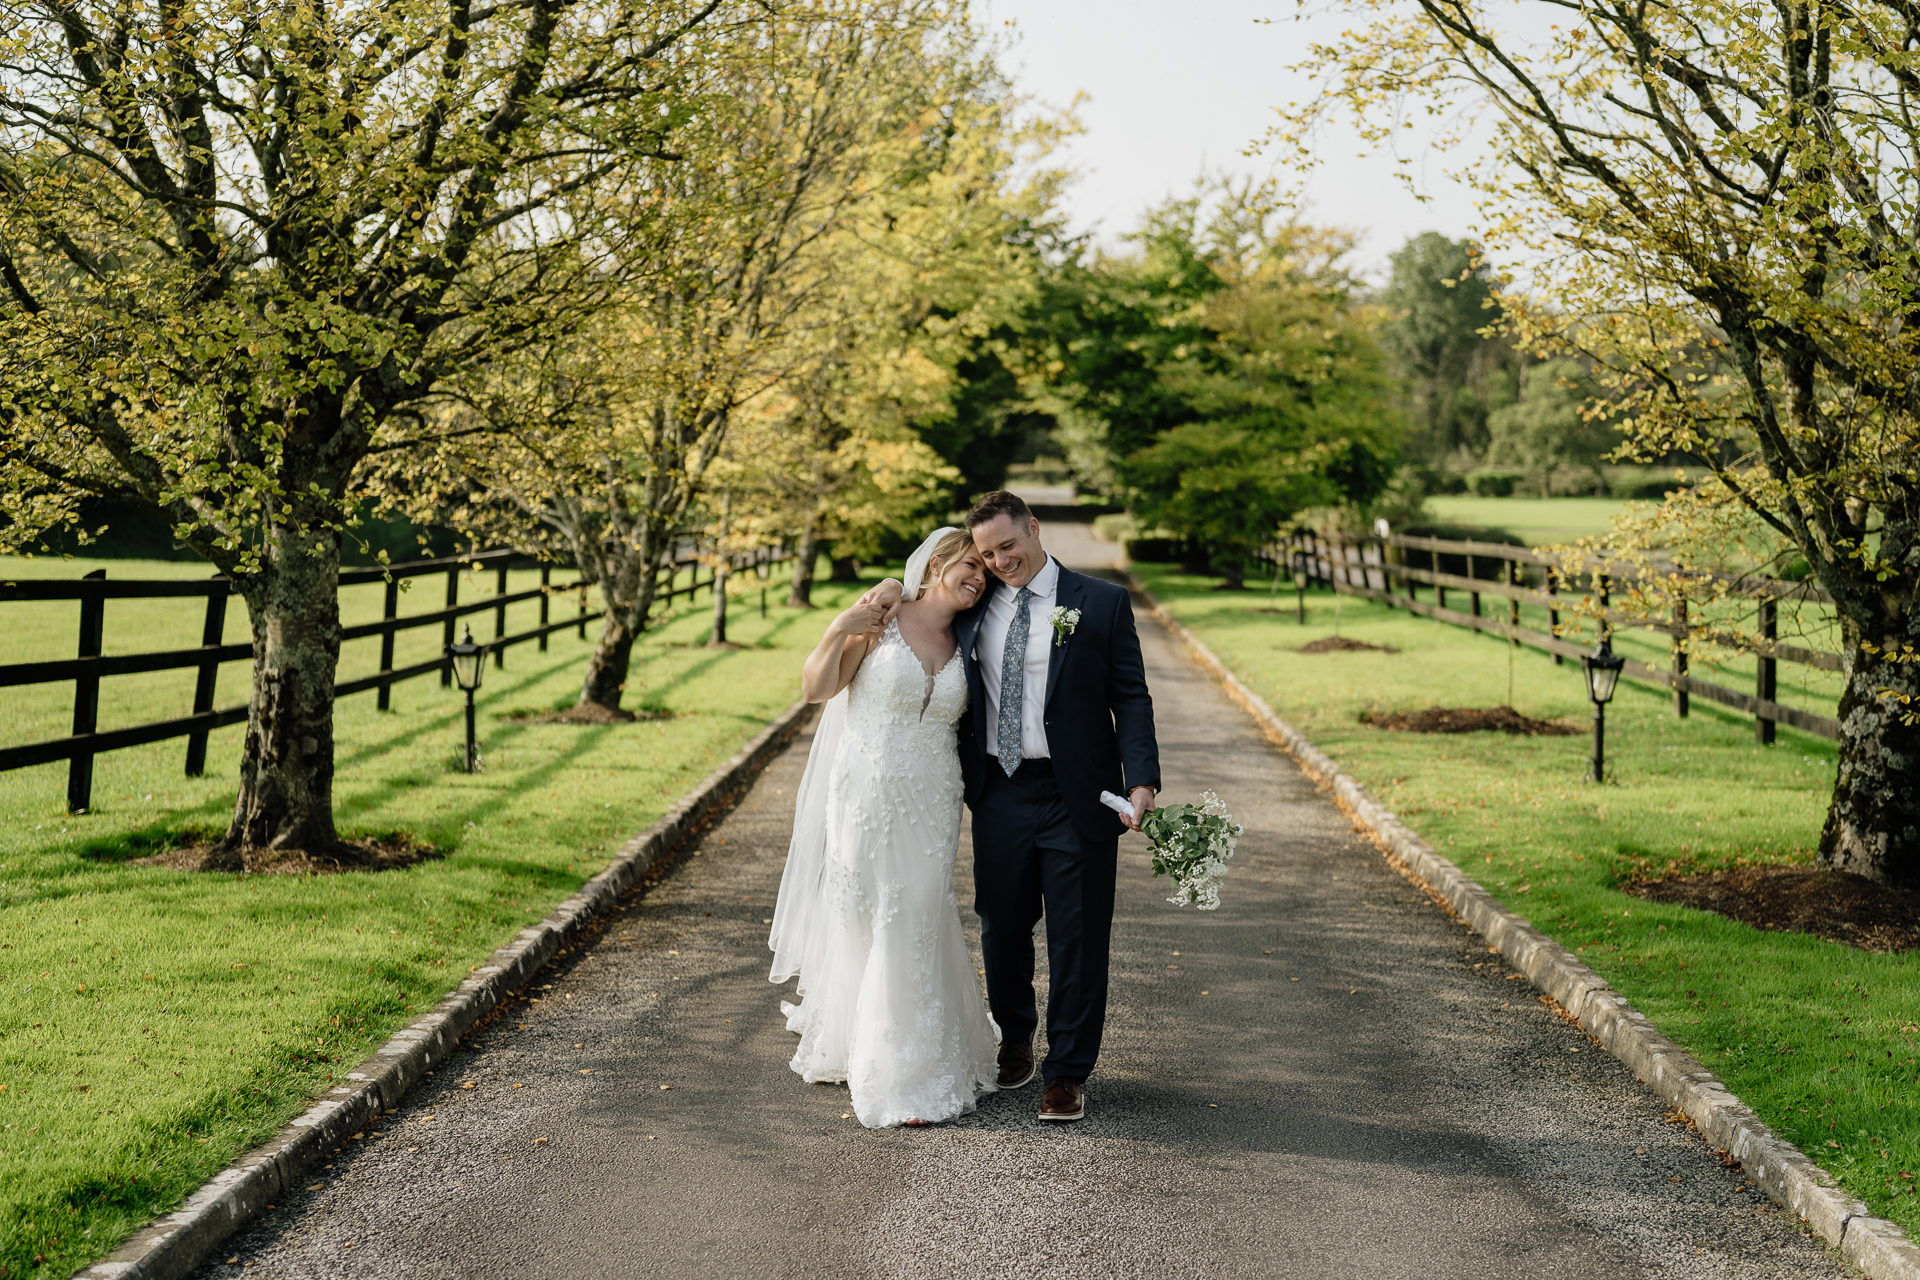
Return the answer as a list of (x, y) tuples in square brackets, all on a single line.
[(1541, 521)]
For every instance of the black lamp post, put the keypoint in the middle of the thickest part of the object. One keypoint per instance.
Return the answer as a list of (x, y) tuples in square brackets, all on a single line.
[(468, 661), (1300, 587), (1602, 670)]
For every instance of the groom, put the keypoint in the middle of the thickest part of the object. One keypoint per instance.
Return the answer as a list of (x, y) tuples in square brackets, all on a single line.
[(1058, 712)]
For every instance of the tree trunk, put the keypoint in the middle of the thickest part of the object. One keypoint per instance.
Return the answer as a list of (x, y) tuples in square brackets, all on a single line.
[(607, 669), (627, 589), (1873, 826), (286, 766), (844, 570), (800, 594)]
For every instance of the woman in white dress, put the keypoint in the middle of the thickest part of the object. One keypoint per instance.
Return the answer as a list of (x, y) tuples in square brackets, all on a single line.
[(866, 918)]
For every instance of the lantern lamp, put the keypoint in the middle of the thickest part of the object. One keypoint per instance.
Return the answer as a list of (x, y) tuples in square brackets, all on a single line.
[(469, 661), (1602, 671)]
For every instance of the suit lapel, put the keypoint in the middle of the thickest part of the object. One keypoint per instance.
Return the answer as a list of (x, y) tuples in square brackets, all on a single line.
[(1066, 595)]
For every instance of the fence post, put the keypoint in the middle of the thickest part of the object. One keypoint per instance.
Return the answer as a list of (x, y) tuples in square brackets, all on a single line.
[(1764, 686), (1680, 699), (1513, 603), (546, 580), (212, 632), (453, 598), (86, 697), (1553, 615), (500, 618), (583, 611), (1473, 576), (389, 610)]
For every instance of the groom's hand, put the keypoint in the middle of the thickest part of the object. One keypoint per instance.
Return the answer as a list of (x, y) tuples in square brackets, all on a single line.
[(1142, 798), (887, 596)]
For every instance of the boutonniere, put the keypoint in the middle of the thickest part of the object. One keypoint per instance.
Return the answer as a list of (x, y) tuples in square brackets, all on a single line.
[(1065, 622)]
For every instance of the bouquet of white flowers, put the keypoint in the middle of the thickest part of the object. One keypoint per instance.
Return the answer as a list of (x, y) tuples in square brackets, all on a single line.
[(1191, 843)]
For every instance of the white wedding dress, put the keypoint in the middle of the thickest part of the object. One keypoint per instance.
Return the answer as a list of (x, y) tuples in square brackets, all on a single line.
[(866, 915)]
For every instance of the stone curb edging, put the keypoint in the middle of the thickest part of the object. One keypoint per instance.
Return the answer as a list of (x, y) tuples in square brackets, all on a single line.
[(1877, 1246), (179, 1242)]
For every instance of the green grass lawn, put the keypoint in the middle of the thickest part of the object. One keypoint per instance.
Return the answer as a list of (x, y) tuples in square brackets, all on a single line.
[(1821, 1040), (1540, 521), (157, 1023)]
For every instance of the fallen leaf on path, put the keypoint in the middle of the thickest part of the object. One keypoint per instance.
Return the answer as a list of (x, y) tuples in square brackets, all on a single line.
[(538, 1141)]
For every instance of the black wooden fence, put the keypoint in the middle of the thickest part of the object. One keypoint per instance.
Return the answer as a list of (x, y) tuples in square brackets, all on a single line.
[(87, 667), (1370, 567)]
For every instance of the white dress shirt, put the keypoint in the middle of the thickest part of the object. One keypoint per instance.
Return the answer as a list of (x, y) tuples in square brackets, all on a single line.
[(990, 646)]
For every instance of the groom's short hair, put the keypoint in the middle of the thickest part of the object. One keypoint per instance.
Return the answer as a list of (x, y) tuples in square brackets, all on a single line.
[(999, 503)]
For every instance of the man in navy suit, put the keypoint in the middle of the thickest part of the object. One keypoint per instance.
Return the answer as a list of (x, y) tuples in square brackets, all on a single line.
[(1058, 712)]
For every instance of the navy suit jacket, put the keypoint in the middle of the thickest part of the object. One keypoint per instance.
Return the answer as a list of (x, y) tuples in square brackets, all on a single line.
[(1098, 713)]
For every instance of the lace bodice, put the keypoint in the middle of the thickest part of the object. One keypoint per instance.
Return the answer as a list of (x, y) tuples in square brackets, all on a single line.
[(893, 691)]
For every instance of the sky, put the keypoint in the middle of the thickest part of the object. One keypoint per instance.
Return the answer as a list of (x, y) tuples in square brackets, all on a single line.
[(1177, 89)]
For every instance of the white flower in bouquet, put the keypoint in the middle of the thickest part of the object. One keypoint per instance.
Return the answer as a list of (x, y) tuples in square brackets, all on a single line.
[(1191, 843)]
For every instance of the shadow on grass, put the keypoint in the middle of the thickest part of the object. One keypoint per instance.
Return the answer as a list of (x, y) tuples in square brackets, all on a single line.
[(508, 795), (156, 837), (436, 720)]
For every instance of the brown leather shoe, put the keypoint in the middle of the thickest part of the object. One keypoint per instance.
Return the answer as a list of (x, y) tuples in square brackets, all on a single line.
[(1064, 1100), (1016, 1063)]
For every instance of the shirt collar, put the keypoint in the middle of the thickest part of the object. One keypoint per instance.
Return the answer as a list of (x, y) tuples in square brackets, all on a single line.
[(1046, 582)]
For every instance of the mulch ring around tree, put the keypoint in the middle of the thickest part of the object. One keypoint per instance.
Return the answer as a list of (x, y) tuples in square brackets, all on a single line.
[(375, 853), (1340, 644), (588, 713), (1826, 904), (1468, 720)]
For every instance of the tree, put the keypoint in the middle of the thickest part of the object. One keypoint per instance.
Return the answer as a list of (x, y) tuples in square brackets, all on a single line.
[(1089, 352), (1441, 295), (1554, 425), (241, 243), (600, 448), (1285, 397), (1723, 205), (850, 449)]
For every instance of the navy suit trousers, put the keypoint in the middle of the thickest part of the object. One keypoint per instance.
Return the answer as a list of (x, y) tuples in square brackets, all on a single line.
[(1028, 855)]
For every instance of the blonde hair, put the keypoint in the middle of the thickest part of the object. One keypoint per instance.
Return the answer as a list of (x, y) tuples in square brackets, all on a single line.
[(945, 552)]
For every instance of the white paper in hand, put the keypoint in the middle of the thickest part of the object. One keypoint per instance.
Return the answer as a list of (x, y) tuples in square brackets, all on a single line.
[(1117, 804)]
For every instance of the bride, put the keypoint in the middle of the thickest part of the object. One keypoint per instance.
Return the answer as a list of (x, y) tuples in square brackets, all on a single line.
[(866, 917)]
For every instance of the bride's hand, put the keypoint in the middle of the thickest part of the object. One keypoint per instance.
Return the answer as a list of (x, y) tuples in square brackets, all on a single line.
[(887, 595), (863, 619)]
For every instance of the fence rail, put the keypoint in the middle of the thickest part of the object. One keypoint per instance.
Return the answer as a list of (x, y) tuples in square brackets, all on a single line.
[(89, 666), (1367, 568)]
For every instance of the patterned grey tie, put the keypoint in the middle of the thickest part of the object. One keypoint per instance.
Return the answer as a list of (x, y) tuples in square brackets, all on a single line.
[(1013, 684)]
